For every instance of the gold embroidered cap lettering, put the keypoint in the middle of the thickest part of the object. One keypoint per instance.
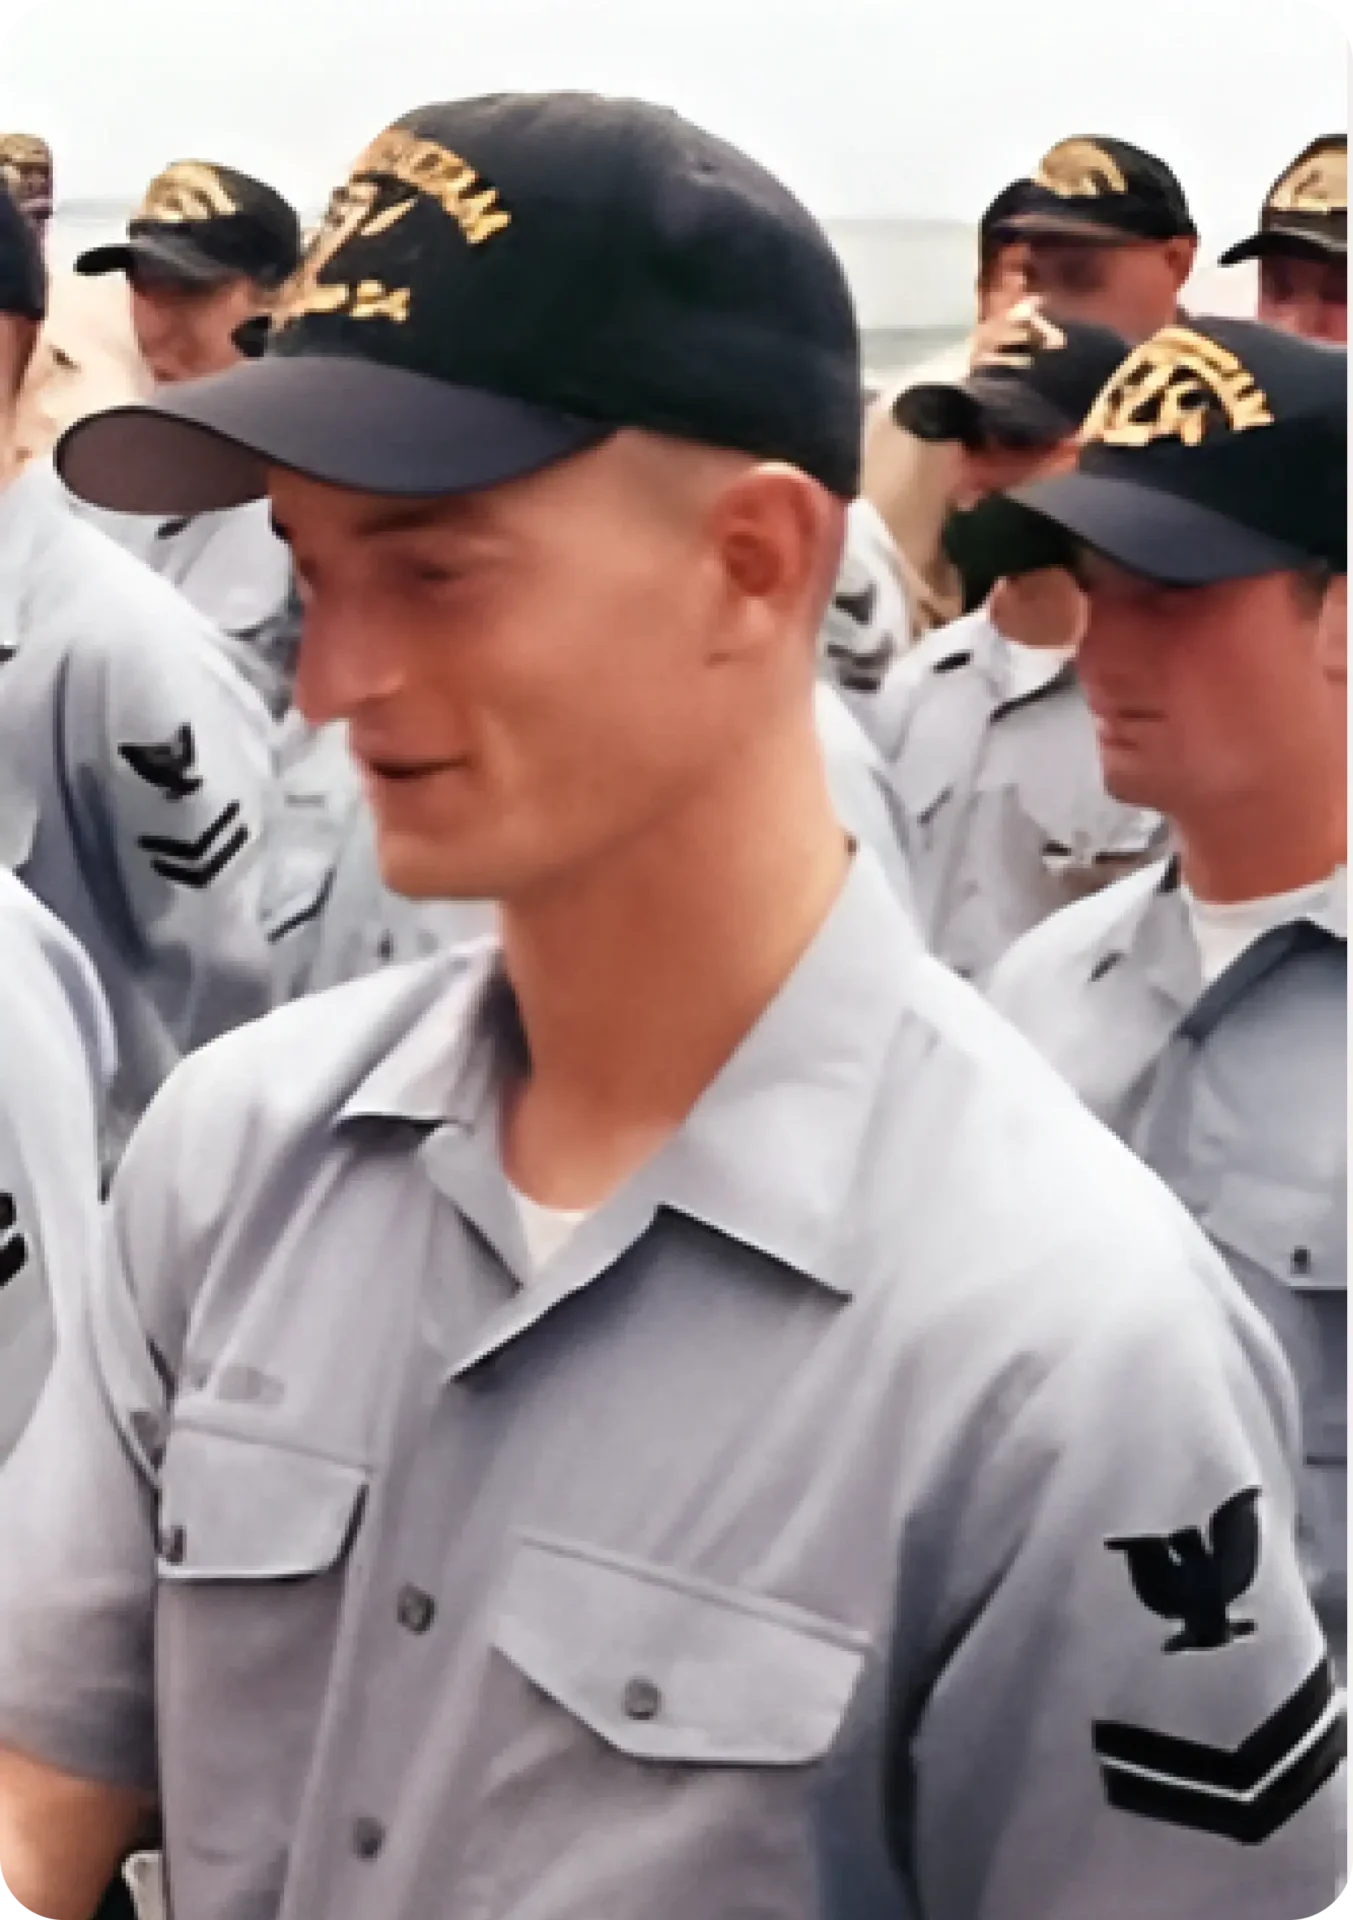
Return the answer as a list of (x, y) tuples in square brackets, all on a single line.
[(189, 190), (1177, 386), (426, 168), (1318, 184), (1080, 170)]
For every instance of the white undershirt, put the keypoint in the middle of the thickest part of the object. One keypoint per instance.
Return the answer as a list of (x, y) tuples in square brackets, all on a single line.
[(546, 1230), (1224, 932)]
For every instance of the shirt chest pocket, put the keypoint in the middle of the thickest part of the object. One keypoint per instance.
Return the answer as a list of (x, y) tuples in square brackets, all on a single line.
[(1287, 1244), (628, 1699), (254, 1541)]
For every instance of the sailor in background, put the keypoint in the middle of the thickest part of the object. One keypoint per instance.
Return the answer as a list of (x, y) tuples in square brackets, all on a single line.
[(1200, 1007), (985, 725), (86, 358), (1302, 244), (205, 256)]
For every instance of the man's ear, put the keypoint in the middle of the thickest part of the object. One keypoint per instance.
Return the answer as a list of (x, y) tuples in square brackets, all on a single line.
[(779, 536), (1180, 254)]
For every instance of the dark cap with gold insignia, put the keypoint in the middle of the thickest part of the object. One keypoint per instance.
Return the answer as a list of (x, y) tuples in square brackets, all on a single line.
[(23, 277), (1218, 451), (26, 173), (1034, 378), (500, 283), (1101, 191), (201, 225), (1306, 211)]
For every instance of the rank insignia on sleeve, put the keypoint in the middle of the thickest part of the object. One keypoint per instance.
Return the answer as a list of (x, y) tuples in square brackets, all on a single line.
[(1243, 1793), (170, 765), (1183, 1577), (196, 863)]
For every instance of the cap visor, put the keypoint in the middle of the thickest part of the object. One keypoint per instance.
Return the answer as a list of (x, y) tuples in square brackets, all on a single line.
[(167, 259), (1306, 244), (1159, 535), (936, 411), (208, 444), (1052, 226)]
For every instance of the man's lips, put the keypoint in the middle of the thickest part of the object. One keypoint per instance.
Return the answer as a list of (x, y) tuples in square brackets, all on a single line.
[(406, 770)]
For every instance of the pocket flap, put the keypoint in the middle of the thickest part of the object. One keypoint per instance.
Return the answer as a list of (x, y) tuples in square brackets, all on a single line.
[(663, 1667), (1292, 1232), (236, 1509)]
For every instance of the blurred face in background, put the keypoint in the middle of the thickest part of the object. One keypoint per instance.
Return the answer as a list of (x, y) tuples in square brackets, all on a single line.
[(1004, 280), (1132, 287), (1305, 293), (185, 330)]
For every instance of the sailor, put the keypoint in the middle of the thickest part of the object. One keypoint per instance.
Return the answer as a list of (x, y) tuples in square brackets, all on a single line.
[(1200, 1007), (533, 1393), (985, 725), (135, 766), (1302, 244), (205, 256)]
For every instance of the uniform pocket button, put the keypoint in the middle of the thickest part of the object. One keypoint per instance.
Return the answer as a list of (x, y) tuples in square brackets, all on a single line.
[(417, 1610), (1301, 1262), (642, 1700), (173, 1546), (368, 1837)]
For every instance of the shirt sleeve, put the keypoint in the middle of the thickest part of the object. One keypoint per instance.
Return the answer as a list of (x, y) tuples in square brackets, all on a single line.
[(172, 777), (79, 1503), (1133, 1714)]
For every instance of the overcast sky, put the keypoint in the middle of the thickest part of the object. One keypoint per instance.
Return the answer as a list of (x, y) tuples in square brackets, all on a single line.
[(869, 108)]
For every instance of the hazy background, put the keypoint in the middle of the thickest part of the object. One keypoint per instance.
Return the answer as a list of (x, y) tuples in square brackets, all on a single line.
[(895, 120)]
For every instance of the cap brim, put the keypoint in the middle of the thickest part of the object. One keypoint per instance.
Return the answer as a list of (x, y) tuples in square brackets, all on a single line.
[(169, 259), (1304, 244), (1157, 534), (937, 411), (208, 444), (1052, 226)]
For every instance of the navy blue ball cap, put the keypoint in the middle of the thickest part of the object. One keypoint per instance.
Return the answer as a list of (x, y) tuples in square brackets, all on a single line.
[(499, 283), (1218, 451)]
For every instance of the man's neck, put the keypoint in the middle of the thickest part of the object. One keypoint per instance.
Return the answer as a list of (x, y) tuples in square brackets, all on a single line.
[(637, 980), (1267, 846)]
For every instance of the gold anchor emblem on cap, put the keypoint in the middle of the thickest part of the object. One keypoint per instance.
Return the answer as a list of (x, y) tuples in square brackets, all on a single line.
[(1080, 170), (1177, 386), (189, 190), (1318, 184)]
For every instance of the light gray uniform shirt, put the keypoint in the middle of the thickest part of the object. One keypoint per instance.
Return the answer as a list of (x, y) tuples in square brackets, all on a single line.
[(135, 776), (56, 1058), (1236, 1094), (827, 1470), (1006, 816), (330, 917), (232, 567)]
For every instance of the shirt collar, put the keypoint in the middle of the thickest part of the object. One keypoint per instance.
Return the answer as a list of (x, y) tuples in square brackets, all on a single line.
[(768, 1153)]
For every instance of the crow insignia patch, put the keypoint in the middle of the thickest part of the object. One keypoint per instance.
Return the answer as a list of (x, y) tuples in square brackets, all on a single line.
[(13, 1246), (1182, 1577), (170, 765)]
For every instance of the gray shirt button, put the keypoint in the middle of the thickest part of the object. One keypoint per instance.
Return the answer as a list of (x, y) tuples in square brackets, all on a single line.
[(368, 1837), (173, 1546), (642, 1700), (417, 1610)]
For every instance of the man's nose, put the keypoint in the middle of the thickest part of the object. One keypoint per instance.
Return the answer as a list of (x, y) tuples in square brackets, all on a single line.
[(345, 664)]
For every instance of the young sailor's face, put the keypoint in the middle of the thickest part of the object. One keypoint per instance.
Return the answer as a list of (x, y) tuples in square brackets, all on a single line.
[(1200, 693), (1305, 296), (1132, 288), (184, 331), (531, 675)]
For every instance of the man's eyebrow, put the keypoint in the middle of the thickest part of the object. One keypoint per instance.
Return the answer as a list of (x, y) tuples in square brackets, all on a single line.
[(407, 516)]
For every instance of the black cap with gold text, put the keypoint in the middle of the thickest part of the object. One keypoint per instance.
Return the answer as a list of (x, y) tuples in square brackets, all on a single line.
[(1218, 451), (200, 225), (1098, 190), (1306, 211), (502, 282)]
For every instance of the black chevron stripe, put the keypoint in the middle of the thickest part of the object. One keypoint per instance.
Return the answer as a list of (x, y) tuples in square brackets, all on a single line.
[(199, 877), (13, 1258), (306, 914), (1233, 1770), (193, 849), (1249, 1822)]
